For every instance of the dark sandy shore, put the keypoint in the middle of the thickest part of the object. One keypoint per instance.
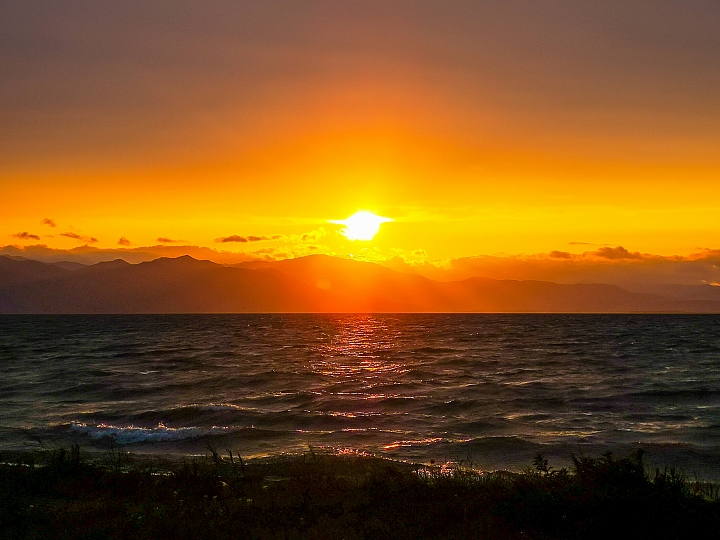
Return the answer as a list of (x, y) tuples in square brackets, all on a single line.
[(66, 494)]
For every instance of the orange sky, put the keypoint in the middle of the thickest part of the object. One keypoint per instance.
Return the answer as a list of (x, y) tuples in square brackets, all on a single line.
[(505, 127)]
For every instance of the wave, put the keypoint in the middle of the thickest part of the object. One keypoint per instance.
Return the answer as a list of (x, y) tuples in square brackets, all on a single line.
[(134, 435)]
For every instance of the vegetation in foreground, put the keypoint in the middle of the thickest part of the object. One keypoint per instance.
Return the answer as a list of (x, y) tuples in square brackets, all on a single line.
[(60, 495)]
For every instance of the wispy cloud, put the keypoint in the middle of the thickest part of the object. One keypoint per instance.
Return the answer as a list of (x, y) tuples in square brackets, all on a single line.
[(124, 241), (618, 252), (25, 236), (245, 239), (232, 238), (311, 236), (166, 240), (49, 222), (80, 237)]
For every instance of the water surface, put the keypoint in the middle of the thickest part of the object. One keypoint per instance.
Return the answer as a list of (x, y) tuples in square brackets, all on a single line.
[(488, 389)]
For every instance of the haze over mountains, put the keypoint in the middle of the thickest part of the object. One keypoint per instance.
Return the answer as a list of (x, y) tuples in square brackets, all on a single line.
[(315, 283)]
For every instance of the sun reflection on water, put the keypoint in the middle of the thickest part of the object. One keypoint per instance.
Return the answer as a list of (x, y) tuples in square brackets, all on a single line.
[(357, 348)]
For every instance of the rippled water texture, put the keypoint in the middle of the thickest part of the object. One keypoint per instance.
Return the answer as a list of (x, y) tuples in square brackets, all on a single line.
[(491, 389)]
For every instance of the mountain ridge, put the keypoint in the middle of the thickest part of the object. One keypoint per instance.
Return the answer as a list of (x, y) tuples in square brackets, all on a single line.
[(313, 284)]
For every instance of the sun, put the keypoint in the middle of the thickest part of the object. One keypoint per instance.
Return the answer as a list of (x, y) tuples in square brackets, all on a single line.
[(361, 225)]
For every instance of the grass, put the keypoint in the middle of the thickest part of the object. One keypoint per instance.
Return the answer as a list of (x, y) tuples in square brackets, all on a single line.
[(63, 494)]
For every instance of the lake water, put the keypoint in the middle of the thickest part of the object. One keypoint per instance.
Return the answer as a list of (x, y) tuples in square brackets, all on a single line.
[(491, 390)]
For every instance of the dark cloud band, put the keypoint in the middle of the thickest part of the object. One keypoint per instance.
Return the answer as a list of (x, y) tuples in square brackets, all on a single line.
[(26, 236), (245, 239), (79, 237)]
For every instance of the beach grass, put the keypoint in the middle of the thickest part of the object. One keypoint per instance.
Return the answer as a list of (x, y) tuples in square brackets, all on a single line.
[(68, 494)]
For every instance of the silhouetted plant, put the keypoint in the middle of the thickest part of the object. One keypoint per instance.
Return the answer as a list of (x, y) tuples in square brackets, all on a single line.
[(541, 464), (327, 496)]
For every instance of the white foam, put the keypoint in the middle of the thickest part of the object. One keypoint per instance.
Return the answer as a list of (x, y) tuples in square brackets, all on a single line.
[(131, 434)]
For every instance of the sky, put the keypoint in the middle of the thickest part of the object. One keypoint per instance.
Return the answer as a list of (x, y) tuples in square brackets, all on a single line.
[(498, 130)]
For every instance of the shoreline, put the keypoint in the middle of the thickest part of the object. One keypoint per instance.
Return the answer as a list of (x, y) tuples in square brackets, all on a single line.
[(697, 462), (68, 493), (134, 457)]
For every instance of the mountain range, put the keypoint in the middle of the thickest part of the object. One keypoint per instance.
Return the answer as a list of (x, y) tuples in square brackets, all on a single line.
[(317, 283)]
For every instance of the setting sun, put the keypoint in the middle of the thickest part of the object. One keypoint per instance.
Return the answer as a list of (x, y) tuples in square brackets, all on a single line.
[(361, 225)]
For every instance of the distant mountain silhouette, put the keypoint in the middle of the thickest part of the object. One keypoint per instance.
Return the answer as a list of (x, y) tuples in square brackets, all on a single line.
[(317, 283)]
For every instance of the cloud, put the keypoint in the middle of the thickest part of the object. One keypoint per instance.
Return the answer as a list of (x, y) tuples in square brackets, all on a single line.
[(49, 222), (233, 238), (313, 236), (271, 254), (417, 262), (287, 252), (123, 241), (245, 239), (81, 238), (166, 240), (618, 252), (415, 256), (639, 272), (260, 238), (26, 236)]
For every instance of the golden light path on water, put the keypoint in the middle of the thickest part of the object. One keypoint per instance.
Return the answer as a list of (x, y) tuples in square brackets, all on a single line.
[(360, 352), (356, 351)]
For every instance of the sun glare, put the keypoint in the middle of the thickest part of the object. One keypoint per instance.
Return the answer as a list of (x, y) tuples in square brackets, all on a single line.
[(361, 225)]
